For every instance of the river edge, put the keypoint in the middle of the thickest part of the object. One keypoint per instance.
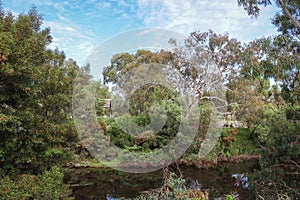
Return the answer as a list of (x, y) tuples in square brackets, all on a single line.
[(218, 180), (198, 163)]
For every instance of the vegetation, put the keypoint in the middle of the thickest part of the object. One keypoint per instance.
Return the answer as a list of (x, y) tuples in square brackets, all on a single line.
[(48, 185), (261, 80), (174, 188), (287, 21), (36, 129), (279, 175)]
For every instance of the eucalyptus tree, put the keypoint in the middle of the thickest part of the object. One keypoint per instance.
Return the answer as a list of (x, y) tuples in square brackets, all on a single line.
[(287, 21)]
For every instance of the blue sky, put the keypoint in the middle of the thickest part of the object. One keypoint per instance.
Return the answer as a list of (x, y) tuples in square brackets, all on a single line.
[(79, 26)]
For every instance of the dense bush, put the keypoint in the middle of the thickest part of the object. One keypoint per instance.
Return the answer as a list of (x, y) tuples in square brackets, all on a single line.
[(237, 141), (140, 133), (174, 187), (293, 113), (36, 128), (279, 177), (48, 185)]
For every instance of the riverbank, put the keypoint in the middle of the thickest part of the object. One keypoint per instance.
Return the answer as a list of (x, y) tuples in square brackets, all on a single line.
[(198, 163)]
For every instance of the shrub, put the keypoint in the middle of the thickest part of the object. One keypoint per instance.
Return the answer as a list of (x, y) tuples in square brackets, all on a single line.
[(48, 185), (280, 160), (293, 113), (174, 187), (147, 131)]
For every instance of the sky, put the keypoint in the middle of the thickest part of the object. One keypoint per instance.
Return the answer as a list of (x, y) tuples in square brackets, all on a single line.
[(78, 27)]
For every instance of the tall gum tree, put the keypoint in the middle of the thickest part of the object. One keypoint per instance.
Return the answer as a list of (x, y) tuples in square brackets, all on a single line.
[(287, 21)]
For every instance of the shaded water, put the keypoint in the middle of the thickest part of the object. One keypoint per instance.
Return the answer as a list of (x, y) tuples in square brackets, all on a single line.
[(105, 183)]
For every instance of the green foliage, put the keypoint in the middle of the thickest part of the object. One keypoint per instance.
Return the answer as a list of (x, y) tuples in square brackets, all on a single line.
[(123, 62), (117, 136), (174, 187), (244, 143), (274, 58), (148, 96), (249, 98), (205, 111), (48, 185), (102, 93), (279, 176), (144, 136), (35, 96), (293, 112), (287, 21), (229, 197), (262, 132), (235, 142)]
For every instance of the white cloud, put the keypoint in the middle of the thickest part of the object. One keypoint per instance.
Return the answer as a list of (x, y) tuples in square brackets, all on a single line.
[(68, 35), (222, 16), (99, 4), (62, 18), (73, 34), (74, 43), (14, 13)]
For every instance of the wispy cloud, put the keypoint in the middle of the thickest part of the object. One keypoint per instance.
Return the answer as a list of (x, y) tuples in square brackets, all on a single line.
[(69, 35), (190, 15), (78, 26), (75, 43)]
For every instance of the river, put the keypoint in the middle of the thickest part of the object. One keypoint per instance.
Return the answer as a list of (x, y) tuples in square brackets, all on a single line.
[(109, 184)]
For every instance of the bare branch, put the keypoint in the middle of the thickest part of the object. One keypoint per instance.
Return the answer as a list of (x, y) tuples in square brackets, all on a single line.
[(214, 97)]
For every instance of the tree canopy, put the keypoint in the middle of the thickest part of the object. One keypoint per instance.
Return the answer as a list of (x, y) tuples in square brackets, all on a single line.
[(256, 82), (35, 95), (287, 21)]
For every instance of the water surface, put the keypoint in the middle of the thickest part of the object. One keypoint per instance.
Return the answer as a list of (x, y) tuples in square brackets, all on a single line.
[(94, 184)]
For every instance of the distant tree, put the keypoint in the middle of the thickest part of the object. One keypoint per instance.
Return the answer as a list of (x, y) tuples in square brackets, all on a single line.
[(123, 62), (274, 59), (250, 102), (102, 93), (200, 68), (119, 74), (206, 60)]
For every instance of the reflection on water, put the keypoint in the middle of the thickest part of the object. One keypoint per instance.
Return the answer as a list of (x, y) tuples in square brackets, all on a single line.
[(107, 183), (221, 180), (98, 184), (241, 180)]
